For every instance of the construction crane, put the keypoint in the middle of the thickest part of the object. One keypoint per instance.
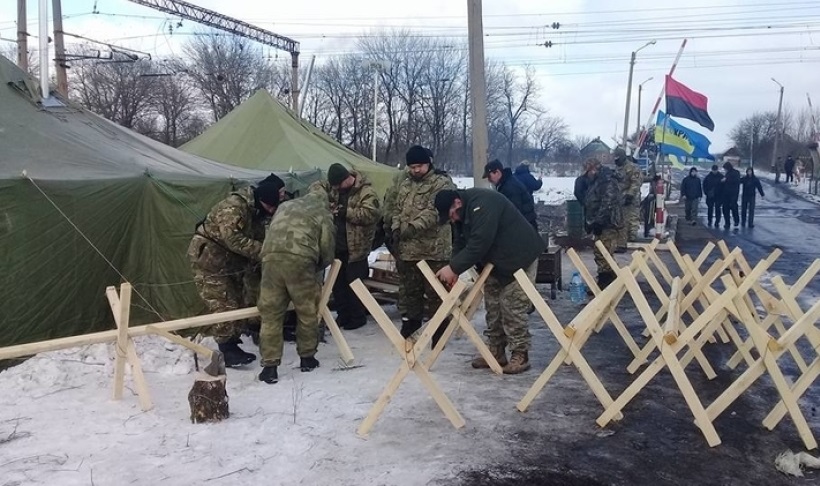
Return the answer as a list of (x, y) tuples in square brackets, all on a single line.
[(216, 20)]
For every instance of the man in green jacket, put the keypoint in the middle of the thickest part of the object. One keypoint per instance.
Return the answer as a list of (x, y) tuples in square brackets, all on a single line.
[(416, 235), (603, 208), (355, 208), (631, 181), (489, 229), (299, 245)]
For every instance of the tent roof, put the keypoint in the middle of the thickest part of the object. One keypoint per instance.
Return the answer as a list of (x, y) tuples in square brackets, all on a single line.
[(66, 142), (261, 133)]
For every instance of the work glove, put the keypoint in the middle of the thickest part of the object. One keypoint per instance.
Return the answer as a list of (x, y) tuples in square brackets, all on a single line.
[(628, 200)]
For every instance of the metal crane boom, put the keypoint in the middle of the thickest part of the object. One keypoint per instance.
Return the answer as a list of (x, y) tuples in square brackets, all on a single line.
[(222, 22)]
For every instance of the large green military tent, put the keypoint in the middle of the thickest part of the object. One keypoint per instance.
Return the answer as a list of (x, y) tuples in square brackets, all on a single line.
[(84, 204), (261, 133)]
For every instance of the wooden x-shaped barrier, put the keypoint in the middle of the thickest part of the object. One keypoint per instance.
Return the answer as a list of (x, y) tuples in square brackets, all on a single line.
[(126, 352), (770, 349), (571, 339), (410, 353)]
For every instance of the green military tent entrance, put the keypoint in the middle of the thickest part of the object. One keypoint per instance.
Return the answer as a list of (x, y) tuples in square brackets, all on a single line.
[(134, 199), (263, 134)]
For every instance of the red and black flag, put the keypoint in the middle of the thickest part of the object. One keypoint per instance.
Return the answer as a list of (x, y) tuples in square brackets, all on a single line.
[(685, 103)]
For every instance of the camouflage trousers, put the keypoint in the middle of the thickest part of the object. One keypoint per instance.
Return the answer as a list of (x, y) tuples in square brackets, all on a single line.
[(251, 280), (220, 284), (507, 318), (610, 238), (289, 279), (418, 296), (632, 218)]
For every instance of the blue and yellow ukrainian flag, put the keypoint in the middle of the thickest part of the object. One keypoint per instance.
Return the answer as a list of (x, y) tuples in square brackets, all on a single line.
[(680, 141)]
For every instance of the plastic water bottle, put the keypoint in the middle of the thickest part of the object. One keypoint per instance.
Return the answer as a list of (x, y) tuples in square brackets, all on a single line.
[(577, 292)]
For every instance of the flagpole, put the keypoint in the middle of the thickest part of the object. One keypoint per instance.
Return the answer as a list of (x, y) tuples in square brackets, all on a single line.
[(642, 138)]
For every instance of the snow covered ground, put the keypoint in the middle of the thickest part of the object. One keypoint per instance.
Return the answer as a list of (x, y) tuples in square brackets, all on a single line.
[(801, 188), (58, 424), (555, 190)]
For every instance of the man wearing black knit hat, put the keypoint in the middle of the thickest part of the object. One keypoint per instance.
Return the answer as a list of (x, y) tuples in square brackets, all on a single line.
[(416, 235), (224, 246), (355, 208)]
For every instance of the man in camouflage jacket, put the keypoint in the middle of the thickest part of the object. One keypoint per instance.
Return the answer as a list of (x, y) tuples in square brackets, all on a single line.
[(603, 207), (224, 246), (298, 246), (388, 213), (631, 180), (355, 208), (416, 235)]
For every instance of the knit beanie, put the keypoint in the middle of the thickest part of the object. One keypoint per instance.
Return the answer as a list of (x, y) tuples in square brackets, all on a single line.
[(419, 155), (336, 174)]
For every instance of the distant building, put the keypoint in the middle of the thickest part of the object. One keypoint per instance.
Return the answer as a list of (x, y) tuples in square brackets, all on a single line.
[(596, 148), (732, 155)]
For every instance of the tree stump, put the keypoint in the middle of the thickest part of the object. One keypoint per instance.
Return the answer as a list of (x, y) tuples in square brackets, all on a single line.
[(208, 399)]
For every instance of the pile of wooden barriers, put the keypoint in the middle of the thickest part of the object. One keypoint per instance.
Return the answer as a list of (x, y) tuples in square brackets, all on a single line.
[(697, 304), (723, 302)]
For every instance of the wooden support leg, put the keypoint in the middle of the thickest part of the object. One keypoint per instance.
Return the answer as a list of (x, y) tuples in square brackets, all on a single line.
[(325, 315), (125, 350)]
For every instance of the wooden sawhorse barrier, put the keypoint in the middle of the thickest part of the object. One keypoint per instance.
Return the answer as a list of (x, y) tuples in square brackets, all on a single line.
[(126, 352)]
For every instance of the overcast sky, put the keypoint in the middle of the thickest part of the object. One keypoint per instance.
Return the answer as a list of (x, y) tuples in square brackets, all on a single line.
[(734, 47)]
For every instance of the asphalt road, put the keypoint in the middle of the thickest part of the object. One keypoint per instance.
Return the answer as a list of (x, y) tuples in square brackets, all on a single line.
[(783, 220)]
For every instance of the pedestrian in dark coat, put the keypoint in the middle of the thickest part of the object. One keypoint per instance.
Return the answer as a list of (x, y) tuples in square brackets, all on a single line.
[(711, 189), (691, 191), (525, 177), (508, 185), (750, 184), (789, 168), (731, 193)]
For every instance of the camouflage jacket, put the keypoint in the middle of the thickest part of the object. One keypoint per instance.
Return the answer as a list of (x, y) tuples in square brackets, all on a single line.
[(415, 219), (233, 226), (361, 215), (603, 204), (631, 179), (302, 227), (389, 207)]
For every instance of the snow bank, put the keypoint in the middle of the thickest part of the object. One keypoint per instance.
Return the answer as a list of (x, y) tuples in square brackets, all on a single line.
[(554, 191)]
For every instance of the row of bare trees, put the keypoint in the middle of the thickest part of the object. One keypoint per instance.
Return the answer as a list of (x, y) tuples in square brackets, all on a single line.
[(754, 136), (423, 97)]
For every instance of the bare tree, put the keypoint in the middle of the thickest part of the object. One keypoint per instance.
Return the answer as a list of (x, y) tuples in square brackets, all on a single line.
[(549, 132), (228, 69), (177, 116), (118, 91), (9, 51), (514, 107)]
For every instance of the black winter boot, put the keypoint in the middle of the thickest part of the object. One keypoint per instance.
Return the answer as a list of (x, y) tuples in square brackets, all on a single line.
[(308, 364), (234, 355), (409, 326), (269, 375), (605, 278)]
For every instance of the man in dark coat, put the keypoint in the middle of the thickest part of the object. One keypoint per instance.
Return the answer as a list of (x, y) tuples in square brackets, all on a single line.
[(508, 185), (691, 191), (731, 193), (711, 189), (525, 177), (789, 168), (489, 229), (750, 184)]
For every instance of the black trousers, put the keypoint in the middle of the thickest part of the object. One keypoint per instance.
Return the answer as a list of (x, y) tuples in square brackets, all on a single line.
[(349, 308), (712, 209), (730, 207), (790, 176), (747, 211)]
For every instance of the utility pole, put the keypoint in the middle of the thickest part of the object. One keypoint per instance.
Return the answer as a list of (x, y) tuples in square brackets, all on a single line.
[(375, 107), (22, 36), (638, 127), (629, 89), (43, 21), (59, 49), (478, 89), (237, 27), (777, 124)]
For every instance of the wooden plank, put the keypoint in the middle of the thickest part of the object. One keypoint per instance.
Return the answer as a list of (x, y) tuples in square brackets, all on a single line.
[(122, 311), (143, 395), (197, 348)]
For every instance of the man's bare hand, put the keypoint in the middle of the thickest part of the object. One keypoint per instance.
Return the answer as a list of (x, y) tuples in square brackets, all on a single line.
[(447, 276)]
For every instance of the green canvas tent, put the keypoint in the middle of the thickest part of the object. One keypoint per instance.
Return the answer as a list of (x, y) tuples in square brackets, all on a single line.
[(84, 204), (263, 134)]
